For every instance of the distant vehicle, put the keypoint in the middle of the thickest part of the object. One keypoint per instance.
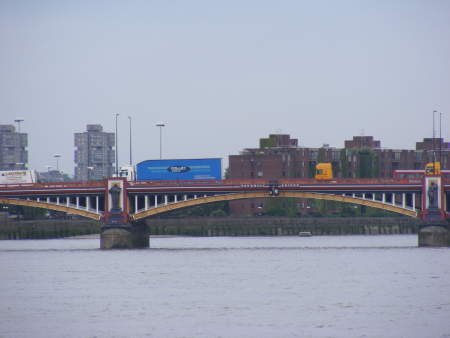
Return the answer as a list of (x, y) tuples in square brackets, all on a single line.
[(324, 171), (180, 169), (432, 168), (17, 176), (128, 172)]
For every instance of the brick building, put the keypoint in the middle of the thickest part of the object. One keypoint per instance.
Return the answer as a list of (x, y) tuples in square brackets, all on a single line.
[(279, 156), (362, 142)]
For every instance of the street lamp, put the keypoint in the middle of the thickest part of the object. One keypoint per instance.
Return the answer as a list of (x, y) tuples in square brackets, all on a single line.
[(57, 157), (440, 137), (131, 151), (117, 148), (160, 125), (434, 142), (18, 121)]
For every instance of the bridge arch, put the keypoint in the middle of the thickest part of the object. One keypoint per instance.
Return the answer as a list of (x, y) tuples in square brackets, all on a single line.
[(265, 194), (50, 206)]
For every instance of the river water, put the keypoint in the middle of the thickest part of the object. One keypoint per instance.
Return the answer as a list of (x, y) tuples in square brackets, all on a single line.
[(327, 286)]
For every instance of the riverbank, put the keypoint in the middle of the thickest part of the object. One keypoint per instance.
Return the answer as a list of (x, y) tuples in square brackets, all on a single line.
[(219, 226), (282, 226), (48, 228)]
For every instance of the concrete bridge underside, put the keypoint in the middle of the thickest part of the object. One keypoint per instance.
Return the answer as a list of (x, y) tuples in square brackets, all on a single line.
[(264, 194)]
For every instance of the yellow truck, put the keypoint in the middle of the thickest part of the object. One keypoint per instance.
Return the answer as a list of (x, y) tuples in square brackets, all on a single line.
[(433, 168), (324, 171)]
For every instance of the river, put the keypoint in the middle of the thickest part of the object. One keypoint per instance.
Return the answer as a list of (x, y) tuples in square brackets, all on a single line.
[(325, 286)]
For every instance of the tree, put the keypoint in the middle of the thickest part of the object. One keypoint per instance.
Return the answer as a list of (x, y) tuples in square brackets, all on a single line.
[(210, 209), (25, 212), (226, 175), (321, 155), (365, 167), (344, 164), (281, 207)]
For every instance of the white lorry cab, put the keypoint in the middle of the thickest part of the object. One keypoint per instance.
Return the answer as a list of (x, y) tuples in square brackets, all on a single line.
[(17, 176), (128, 173)]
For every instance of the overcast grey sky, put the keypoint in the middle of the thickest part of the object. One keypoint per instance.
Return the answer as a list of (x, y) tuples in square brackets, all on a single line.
[(222, 74)]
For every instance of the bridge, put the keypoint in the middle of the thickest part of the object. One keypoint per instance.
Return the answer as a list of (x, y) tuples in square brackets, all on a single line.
[(119, 204)]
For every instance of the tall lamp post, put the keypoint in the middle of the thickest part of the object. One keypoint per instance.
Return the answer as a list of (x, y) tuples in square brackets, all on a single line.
[(440, 138), (160, 125), (131, 150), (117, 148), (18, 121), (434, 145), (57, 157)]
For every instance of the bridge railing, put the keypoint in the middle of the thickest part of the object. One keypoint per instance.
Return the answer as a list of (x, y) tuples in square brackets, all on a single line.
[(393, 201), (56, 185), (189, 197), (353, 181), (74, 206), (236, 182), (280, 182), (233, 182)]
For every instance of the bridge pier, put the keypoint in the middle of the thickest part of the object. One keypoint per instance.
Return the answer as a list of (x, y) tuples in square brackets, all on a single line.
[(118, 232), (436, 235), (435, 230), (124, 236)]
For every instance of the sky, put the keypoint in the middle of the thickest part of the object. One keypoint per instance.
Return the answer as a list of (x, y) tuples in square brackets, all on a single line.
[(222, 74)]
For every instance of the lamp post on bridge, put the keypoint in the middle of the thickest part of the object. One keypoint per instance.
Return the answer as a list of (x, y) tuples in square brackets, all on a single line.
[(117, 148), (131, 150), (160, 125)]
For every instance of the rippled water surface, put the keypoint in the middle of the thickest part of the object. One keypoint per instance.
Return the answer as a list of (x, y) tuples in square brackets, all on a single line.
[(328, 286)]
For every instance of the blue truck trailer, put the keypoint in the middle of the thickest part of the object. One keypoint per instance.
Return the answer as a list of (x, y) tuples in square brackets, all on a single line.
[(180, 169)]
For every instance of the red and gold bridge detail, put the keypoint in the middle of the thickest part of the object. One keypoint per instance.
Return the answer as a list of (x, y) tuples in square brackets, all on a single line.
[(140, 199)]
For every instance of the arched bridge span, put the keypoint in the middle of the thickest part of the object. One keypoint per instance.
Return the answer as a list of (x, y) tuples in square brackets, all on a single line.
[(51, 206), (263, 194), (115, 201)]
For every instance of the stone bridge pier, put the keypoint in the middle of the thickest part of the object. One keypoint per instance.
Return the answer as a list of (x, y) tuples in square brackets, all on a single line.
[(117, 231), (124, 236), (435, 229)]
